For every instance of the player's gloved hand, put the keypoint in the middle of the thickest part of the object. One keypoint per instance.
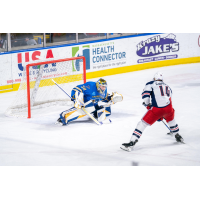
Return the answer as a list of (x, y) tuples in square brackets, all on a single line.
[(115, 97), (160, 119), (78, 103), (148, 107)]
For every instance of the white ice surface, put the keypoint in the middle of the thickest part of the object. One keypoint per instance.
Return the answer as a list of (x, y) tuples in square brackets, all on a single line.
[(38, 142)]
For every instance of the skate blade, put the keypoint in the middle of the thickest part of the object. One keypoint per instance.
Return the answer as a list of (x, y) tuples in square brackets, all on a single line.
[(126, 148), (107, 121), (182, 142), (58, 123)]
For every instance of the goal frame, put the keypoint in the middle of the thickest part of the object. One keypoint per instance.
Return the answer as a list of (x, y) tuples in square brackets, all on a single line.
[(50, 62)]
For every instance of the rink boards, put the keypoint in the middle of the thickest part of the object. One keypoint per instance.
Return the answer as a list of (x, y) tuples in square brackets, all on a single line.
[(106, 57)]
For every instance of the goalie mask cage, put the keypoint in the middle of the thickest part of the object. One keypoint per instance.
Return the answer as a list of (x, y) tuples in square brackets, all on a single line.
[(37, 90)]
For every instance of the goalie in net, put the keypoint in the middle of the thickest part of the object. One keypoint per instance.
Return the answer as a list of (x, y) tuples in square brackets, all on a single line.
[(93, 96), (37, 91)]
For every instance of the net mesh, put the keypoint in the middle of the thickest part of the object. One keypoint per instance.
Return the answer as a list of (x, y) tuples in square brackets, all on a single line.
[(43, 91)]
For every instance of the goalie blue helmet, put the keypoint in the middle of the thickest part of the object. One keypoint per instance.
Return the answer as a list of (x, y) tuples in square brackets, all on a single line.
[(101, 85), (158, 76)]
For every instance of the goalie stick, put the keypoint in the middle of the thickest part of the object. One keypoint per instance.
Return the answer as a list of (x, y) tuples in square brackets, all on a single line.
[(83, 109)]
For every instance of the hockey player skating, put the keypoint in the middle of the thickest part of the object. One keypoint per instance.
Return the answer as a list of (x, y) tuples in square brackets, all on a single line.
[(160, 106), (94, 98)]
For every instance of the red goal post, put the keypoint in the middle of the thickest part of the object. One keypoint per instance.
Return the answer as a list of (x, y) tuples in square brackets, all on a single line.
[(37, 87), (50, 62)]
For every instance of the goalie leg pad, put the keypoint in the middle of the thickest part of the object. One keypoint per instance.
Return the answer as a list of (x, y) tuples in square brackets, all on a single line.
[(79, 102), (101, 115), (98, 110), (108, 111), (71, 115), (62, 119), (63, 114), (75, 113)]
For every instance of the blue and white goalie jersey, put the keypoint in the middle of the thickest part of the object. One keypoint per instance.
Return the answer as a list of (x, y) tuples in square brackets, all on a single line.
[(159, 92)]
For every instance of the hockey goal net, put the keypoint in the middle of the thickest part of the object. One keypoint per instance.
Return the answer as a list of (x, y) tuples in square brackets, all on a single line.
[(37, 90)]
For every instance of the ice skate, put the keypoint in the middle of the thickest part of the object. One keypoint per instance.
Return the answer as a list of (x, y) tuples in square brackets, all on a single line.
[(128, 146), (179, 138), (59, 122)]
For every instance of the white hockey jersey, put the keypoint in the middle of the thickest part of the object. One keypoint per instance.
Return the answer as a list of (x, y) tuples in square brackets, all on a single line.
[(159, 92)]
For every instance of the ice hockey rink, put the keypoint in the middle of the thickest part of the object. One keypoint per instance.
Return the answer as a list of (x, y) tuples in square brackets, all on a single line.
[(39, 142)]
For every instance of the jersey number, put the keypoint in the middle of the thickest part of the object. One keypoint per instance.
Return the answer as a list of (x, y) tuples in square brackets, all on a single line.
[(167, 92)]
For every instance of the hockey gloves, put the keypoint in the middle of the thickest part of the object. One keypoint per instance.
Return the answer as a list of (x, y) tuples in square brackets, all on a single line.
[(79, 102), (148, 107), (116, 97), (160, 119)]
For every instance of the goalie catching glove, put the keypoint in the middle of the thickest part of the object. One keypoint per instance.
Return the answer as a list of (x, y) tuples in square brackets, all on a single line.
[(79, 102), (112, 99), (115, 97)]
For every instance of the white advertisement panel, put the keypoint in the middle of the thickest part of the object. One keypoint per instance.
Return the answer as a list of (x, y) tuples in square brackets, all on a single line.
[(107, 54), (138, 50), (5, 69)]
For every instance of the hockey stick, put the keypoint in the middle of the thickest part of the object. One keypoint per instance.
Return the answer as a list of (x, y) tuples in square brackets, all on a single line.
[(170, 133), (83, 109)]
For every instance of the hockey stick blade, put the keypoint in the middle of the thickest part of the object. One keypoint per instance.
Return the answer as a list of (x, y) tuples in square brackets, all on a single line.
[(125, 149), (97, 122), (107, 121)]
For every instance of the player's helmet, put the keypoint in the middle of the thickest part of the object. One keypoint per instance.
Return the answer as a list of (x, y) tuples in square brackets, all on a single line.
[(101, 82), (158, 76)]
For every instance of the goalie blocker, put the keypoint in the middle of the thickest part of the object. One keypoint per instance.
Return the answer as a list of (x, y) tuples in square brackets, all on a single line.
[(94, 98)]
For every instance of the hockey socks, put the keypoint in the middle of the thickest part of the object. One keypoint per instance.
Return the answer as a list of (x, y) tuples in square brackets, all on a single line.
[(138, 130), (136, 135), (174, 129), (179, 138)]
